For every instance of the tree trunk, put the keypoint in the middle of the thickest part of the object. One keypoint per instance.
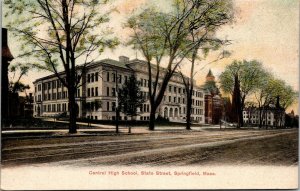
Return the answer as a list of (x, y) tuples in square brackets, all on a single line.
[(152, 119), (188, 116), (72, 110), (189, 108)]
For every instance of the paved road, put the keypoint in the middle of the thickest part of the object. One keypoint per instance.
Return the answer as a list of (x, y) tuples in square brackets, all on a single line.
[(159, 148)]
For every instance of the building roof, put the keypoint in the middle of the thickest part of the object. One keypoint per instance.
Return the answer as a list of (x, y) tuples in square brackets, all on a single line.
[(112, 63), (210, 74)]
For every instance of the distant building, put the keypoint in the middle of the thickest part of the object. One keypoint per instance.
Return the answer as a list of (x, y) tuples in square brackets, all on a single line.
[(291, 120), (214, 105), (99, 83), (268, 116)]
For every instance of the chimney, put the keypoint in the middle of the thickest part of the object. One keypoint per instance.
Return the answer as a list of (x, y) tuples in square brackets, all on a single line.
[(123, 59)]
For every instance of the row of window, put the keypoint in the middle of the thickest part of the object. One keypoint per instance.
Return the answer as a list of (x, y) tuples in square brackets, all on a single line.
[(110, 91), (48, 85), (175, 99), (54, 107), (142, 118), (176, 90), (91, 92), (257, 122), (112, 77), (93, 77), (145, 108), (54, 96)]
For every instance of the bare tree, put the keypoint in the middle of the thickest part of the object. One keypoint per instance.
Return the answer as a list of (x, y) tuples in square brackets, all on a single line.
[(56, 34)]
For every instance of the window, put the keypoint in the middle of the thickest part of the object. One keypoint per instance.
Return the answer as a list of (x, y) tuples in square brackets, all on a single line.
[(107, 76), (53, 84), (39, 97), (183, 100), (148, 108), (58, 84), (175, 89), (114, 77), (49, 85), (113, 91), (179, 100), (96, 76), (170, 98), (107, 91), (170, 88), (89, 78), (174, 99), (89, 92), (92, 77), (113, 106), (179, 90), (107, 106), (39, 87), (96, 91), (125, 78), (93, 93), (54, 96)]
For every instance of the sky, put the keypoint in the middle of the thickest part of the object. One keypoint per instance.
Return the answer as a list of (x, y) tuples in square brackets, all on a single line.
[(264, 30)]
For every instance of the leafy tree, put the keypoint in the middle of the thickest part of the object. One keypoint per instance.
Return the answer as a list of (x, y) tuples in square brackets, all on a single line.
[(17, 72), (247, 75), (202, 37), (130, 97), (56, 34), (157, 34), (269, 90)]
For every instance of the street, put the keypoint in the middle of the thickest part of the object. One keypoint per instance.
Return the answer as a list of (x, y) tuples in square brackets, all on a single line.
[(170, 147)]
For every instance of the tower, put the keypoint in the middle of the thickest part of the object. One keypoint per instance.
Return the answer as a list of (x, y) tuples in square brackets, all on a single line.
[(210, 76)]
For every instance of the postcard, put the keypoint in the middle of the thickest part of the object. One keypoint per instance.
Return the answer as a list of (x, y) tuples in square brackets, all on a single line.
[(149, 94)]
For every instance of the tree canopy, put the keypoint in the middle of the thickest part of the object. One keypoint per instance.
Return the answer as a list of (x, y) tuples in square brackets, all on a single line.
[(189, 25), (56, 35)]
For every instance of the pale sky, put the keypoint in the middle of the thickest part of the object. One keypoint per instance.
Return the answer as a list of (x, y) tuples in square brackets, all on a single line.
[(265, 30)]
